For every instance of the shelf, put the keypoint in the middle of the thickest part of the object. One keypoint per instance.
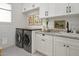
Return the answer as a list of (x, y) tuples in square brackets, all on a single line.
[(31, 10)]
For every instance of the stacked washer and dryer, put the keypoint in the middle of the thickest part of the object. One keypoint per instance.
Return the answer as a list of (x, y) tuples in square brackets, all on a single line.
[(24, 38)]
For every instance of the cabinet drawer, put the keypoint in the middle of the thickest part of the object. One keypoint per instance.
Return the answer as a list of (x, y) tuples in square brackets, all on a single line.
[(43, 36)]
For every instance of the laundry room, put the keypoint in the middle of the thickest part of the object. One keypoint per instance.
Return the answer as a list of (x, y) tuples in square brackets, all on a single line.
[(39, 29)]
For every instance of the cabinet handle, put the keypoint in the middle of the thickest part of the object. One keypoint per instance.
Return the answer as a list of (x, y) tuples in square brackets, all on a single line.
[(43, 40), (46, 13), (33, 5), (24, 8), (67, 9), (43, 34), (70, 9), (64, 45), (67, 46)]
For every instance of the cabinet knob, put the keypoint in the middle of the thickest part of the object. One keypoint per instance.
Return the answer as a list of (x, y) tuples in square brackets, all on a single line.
[(33, 5), (43, 34), (43, 40), (46, 13), (24, 8), (67, 46), (64, 45)]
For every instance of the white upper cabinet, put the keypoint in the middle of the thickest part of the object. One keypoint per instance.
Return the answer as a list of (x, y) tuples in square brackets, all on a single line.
[(47, 10), (66, 9), (44, 10), (61, 9), (51, 9), (73, 47), (73, 8), (30, 6)]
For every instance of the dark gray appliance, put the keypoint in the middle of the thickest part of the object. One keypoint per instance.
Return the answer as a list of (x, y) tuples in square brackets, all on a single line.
[(27, 40), (19, 38), (24, 38)]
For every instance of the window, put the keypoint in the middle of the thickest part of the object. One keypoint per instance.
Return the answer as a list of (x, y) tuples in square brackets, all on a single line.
[(5, 12)]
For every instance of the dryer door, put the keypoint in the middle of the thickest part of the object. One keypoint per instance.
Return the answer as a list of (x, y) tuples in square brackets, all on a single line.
[(26, 40)]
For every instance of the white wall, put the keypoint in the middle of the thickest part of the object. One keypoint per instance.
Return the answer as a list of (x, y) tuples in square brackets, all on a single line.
[(7, 30)]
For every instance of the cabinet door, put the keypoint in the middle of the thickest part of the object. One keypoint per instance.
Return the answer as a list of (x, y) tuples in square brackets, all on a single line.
[(60, 47), (37, 41), (26, 6), (43, 12), (51, 9), (74, 50), (30, 6), (74, 8), (44, 45), (73, 47), (61, 9)]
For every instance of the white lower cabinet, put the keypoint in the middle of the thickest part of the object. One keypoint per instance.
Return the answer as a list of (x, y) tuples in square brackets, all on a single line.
[(59, 46), (56, 45), (74, 51), (44, 44), (60, 49), (69, 47), (73, 47)]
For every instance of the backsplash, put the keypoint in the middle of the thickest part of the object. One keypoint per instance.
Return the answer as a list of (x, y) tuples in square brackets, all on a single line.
[(73, 22)]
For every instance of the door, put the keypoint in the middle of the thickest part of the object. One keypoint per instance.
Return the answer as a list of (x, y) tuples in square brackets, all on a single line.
[(44, 44), (26, 6), (61, 9), (73, 47), (43, 12), (60, 49), (29, 6), (74, 50), (60, 46), (73, 7), (51, 9)]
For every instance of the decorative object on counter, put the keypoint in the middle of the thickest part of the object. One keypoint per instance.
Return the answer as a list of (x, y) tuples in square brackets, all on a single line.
[(68, 29), (45, 25), (60, 24), (34, 20)]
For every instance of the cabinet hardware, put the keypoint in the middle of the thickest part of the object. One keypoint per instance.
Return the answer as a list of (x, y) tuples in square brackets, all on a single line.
[(67, 9), (64, 45), (24, 8), (46, 13), (43, 34), (33, 5), (43, 40), (70, 9), (67, 46)]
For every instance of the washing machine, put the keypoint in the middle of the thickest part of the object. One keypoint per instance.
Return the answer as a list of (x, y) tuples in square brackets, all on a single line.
[(19, 38), (27, 40)]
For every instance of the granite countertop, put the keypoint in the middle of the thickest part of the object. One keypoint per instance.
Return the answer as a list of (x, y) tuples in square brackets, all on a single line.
[(61, 34)]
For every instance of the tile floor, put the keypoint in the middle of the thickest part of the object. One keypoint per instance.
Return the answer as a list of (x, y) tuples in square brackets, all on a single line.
[(16, 51)]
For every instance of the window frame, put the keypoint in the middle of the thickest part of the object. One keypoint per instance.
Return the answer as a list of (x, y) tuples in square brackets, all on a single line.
[(8, 11)]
